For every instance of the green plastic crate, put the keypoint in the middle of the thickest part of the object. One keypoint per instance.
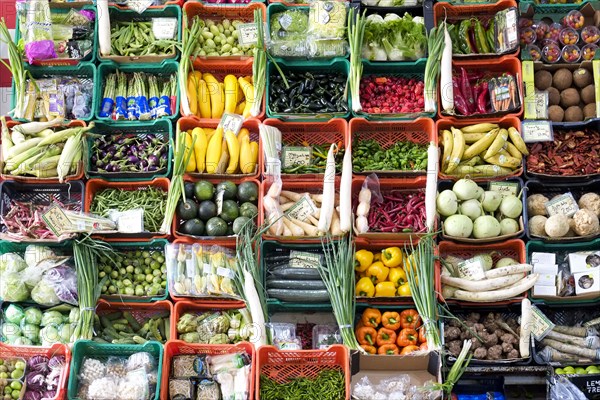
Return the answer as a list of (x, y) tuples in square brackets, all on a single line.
[(59, 9), (340, 65), (82, 70), (102, 351), (165, 68), (121, 14), (155, 244), (408, 70), (553, 10), (539, 246), (161, 128)]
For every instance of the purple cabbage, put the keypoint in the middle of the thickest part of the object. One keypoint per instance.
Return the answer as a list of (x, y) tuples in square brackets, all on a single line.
[(56, 362), (38, 364), (64, 281), (35, 381), (29, 395)]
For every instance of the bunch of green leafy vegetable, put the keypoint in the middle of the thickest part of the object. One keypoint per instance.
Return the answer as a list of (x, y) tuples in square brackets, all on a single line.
[(289, 25), (394, 38)]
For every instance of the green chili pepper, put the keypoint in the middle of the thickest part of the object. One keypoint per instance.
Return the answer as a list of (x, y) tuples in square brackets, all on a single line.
[(463, 34), (481, 38), (453, 32), (491, 34)]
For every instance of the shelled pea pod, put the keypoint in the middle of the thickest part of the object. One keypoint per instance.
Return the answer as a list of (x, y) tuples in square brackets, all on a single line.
[(135, 38), (122, 327), (318, 161), (308, 93), (369, 155)]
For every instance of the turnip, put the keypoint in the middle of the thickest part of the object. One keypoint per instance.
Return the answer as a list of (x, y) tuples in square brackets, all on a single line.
[(505, 262), (557, 226), (447, 203), (511, 206), (486, 226), (465, 189), (491, 200), (508, 226), (458, 226), (471, 208), (480, 193)]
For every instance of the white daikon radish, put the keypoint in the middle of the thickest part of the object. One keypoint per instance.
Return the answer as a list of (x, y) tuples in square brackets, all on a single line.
[(346, 192), (328, 202)]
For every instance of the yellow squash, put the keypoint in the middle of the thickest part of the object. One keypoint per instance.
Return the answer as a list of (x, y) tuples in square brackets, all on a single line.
[(200, 147), (497, 144), (458, 148), (246, 162), (233, 146), (217, 97), (482, 144), (231, 93), (191, 165), (248, 90), (204, 106), (192, 93), (213, 152)]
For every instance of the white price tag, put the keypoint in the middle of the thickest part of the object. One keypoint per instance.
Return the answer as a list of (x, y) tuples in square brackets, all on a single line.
[(164, 28), (247, 34), (303, 259), (219, 201), (57, 221), (564, 204), (231, 122), (540, 324), (302, 209), (472, 269), (296, 155), (139, 6), (225, 272), (537, 131), (130, 221), (505, 188)]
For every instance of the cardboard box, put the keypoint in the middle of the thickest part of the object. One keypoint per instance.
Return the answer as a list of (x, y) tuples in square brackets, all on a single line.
[(544, 290), (551, 269), (587, 282), (543, 258), (580, 262), (420, 368)]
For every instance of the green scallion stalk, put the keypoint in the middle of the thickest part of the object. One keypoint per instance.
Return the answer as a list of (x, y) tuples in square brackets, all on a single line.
[(435, 44), (356, 33), (259, 66), (457, 370), (16, 68), (188, 44)]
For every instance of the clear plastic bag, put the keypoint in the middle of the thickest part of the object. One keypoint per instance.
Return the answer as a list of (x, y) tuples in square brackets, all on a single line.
[(116, 367), (106, 388), (284, 336), (369, 194), (564, 389), (134, 386), (327, 19), (39, 44)]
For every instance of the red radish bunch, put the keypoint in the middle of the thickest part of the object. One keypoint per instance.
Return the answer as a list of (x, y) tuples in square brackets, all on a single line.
[(384, 95)]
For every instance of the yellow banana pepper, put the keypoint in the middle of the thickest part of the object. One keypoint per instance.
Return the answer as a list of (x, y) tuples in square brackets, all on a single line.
[(378, 272), (397, 276), (363, 260), (385, 289), (365, 287), (404, 290), (391, 257)]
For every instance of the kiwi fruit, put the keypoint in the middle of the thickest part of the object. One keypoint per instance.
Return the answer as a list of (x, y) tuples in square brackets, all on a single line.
[(589, 111), (556, 113), (569, 97), (543, 80), (553, 96), (588, 94), (562, 79), (573, 114), (582, 77)]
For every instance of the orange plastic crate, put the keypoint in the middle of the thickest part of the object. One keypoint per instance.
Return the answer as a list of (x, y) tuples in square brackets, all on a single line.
[(95, 185), (333, 131), (283, 365), (175, 348), (140, 311), (387, 133), (56, 349), (219, 69), (504, 122), (187, 123), (497, 67), (514, 248), (32, 179), (200, 306), (223, 239)]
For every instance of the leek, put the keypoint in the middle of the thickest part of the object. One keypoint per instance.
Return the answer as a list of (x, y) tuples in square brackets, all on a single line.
[(356, 32), (16, 68), (259, 67), (432, 68)]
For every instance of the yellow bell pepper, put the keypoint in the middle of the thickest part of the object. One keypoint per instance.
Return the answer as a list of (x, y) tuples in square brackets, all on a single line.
[(385, 289), (365, 287), (363, 260), (378, 272), (391, 257), (377, 257), (404, 290), (397, 276)]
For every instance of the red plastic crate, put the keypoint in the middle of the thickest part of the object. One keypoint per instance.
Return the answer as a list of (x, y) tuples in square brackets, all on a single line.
[(199, 306), (283, 365)]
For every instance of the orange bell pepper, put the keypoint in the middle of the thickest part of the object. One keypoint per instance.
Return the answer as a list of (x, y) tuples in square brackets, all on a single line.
[(422, 338), (359, 324), (410, 319), (408, 350), (366, 335), (407, 337), (423, 346), (371, 317), (391, 320), (385, 336), (369, 349), (388, 349)]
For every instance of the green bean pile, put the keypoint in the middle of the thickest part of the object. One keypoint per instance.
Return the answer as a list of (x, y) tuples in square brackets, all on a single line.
[(328, 385), (135, 38), (152, 200)]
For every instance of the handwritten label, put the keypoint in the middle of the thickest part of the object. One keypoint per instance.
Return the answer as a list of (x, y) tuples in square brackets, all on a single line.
[(537, 131), (472, 269), (296, 155), (164, 28), (541, 104), (219, 201), (231, 122), (302, 209), (303, 259), (247, 34), (540, 324), (564, 204), (505, 188), (57, 221), (130, 221), (139, 6)]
